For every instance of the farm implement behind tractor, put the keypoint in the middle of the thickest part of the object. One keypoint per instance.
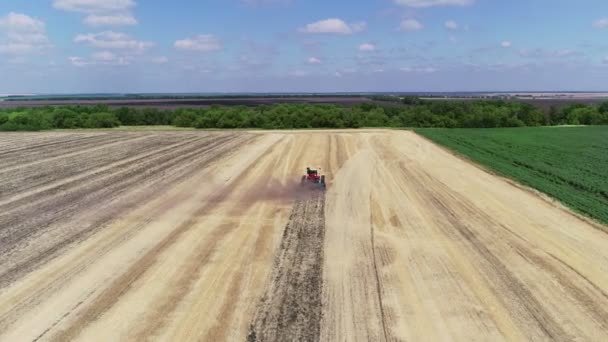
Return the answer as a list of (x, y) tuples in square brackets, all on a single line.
[(312, 178)]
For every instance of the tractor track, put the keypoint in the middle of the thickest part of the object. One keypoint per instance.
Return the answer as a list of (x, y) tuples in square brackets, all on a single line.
[(378, 281), (291, 307)]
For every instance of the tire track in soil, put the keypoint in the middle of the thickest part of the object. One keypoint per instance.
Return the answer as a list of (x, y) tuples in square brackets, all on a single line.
[(54, 143), (291, 307), (114, 190), (120, 286), (515, 295), (206, 159), (379, 290), (44, 156), (157, 320)]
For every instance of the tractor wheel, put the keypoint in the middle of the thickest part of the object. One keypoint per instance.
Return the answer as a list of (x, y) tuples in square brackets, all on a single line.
[(323, 180), (303, 181)]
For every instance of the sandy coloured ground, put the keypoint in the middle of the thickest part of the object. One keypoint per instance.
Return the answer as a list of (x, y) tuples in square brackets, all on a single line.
[(178, 236)]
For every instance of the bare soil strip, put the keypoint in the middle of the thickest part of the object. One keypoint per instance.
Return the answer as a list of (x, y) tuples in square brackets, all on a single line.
[(291, 307)]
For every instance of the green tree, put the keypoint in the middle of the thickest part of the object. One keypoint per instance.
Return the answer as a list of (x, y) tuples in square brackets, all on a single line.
[(102, 120), (67, 118), (185, 118)]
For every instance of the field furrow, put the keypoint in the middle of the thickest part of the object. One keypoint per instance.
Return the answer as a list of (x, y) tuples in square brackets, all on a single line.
[(291, 307)]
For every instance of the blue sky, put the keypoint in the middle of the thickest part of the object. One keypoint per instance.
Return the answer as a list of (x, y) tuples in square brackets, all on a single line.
[(65, 46)]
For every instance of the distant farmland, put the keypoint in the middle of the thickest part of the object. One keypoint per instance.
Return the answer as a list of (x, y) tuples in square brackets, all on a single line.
[(185, 103), (570, 164)]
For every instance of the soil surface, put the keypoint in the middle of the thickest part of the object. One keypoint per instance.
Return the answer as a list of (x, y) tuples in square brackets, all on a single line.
[(180, 236), (291, 307)]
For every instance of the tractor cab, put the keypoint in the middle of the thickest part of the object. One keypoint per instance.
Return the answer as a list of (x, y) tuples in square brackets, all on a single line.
[(311, 172)]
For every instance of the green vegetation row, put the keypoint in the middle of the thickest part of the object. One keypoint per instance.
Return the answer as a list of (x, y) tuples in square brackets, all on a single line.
[(569, 164), (454, 114)]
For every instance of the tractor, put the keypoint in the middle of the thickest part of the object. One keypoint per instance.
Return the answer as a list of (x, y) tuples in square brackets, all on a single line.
[(312, 177)]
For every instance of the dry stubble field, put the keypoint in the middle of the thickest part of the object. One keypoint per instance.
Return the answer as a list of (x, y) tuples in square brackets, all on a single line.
[(179, 236)]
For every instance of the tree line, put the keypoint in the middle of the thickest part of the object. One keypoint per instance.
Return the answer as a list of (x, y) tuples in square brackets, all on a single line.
[(437, 114)]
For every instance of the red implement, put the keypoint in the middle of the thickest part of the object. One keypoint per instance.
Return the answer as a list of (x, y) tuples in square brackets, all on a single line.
[(312, 177)]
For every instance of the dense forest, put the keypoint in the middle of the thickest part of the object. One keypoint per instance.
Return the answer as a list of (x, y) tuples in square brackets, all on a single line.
[(417, 113)]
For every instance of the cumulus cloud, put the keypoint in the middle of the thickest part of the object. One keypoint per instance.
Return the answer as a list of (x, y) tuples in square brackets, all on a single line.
[(367, 47), (20, 33), (451, 25), (101, 58), (601, 23), (101, 12), (110, 20), (506, 44), (113, 40), (409, 25), (110, 58), (314, 60), (432, 3), (334, 26), (201, 43), (92, 6)]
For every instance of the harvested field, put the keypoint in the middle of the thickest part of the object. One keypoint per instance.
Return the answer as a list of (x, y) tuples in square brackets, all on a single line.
[(179, 236)]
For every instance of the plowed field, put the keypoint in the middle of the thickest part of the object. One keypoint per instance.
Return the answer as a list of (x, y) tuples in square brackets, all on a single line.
[(179, 236)]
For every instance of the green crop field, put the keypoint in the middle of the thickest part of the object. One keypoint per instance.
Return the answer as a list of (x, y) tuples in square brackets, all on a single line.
[(567, 163)]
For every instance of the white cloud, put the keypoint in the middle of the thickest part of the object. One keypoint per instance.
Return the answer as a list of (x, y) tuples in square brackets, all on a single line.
[(334, 26), (94, 6), (110, 20), (409, 25), (549, 54), (101, 12), (506, 44), (78, 61), (20, 33), (21, 22), (314, 60), (101, 58), (601, 23), (451, 25), (431, 3), (422, 70), (113, 40), (202, 43), (366, 47)]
